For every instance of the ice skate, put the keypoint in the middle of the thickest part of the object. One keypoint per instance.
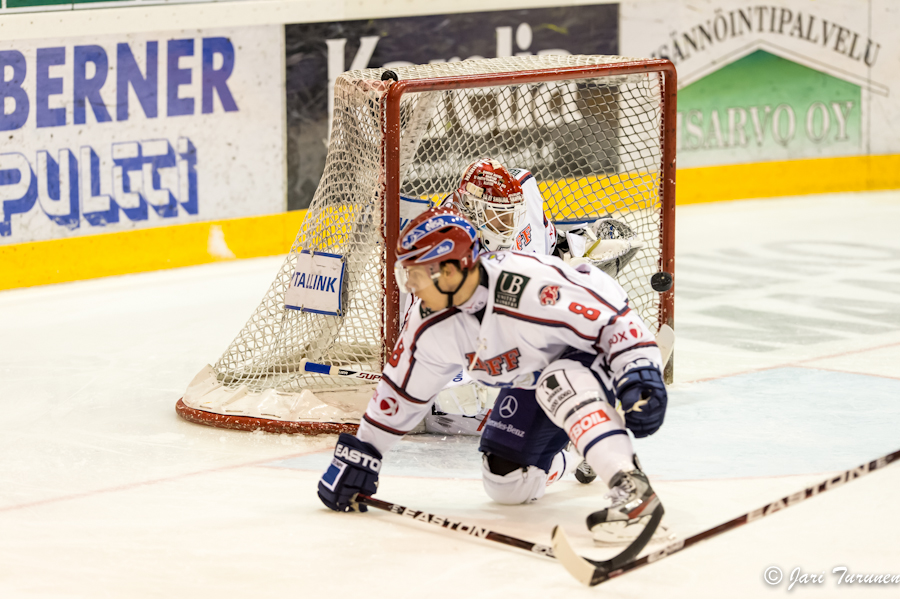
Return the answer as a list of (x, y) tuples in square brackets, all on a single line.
[(633, 502)]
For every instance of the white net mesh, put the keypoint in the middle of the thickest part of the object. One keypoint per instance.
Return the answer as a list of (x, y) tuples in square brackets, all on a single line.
[(593, 145)]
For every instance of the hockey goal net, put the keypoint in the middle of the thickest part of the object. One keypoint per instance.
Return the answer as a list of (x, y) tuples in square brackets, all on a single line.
[(597, 133)]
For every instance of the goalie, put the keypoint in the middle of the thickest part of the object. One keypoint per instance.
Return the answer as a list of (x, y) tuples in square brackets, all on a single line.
[(572, 361), (507, 209)]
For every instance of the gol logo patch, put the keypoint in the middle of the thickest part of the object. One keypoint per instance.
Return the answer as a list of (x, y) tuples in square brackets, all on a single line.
[(549, 295)]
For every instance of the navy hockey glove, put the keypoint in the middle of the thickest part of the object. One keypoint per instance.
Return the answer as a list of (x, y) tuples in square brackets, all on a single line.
[(643, 396), (354, 469)]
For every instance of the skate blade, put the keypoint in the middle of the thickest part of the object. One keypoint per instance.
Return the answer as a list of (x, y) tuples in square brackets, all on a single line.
[(624, 532)]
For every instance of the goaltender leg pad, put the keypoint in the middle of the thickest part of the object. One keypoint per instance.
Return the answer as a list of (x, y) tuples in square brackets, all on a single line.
[(519, 431), (580, 401), (521, 485)]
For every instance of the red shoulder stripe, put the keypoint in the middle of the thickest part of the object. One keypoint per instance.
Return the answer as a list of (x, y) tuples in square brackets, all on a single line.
[(577, 284), (542, 321)]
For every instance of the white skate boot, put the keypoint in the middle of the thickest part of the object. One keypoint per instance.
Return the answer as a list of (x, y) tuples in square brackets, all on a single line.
[(633, 503)]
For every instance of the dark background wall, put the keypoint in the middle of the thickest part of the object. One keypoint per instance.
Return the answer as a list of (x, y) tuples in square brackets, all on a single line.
[(416, 40)]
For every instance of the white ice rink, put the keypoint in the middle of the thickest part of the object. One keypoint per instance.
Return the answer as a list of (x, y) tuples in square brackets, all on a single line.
[(787, 369)]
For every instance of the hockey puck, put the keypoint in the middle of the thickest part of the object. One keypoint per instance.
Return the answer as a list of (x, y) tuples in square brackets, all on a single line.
[(389, 74), (661, 281)]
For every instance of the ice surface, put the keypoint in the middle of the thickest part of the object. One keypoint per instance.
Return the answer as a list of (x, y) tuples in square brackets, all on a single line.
[(787, 368)]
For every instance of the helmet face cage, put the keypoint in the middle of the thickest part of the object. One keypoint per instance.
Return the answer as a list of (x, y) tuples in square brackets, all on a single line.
[(497, 224), (492, 198)]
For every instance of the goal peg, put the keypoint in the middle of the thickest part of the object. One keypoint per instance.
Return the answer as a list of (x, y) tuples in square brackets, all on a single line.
[(661, 281)]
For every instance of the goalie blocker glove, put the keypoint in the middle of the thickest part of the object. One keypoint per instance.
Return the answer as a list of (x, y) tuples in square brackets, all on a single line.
[(643, 396), (354, 469)]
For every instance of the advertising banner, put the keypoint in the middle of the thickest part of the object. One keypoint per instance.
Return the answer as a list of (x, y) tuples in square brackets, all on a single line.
[(317, 53), (139, 130), (14, 6), (785, 80), (317, 284)]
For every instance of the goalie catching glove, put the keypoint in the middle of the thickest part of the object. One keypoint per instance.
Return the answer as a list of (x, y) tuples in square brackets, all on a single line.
[(606, 243), (354, 469), (643, 396)]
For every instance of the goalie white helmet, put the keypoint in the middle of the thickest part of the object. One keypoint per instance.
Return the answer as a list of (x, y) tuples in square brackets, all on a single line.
[(493, 200)]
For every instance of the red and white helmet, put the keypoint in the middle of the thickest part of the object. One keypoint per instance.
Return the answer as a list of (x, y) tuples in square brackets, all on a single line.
[(493, 199), (437, 235)]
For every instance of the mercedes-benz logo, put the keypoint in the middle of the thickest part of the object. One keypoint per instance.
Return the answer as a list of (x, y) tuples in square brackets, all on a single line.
[(509, 406)]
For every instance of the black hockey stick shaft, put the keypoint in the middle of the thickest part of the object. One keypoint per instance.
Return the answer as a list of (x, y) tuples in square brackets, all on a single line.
[(480, 532), (456, 525), (766, 510)]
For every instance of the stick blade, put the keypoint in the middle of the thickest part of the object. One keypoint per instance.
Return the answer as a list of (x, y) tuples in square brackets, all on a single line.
[(592, 572), (577, 566), (665, 339)]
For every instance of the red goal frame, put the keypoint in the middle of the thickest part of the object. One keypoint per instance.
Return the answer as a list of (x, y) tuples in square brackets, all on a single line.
[(391, 162)]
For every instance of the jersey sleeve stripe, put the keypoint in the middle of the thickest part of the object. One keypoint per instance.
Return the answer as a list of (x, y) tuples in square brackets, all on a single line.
[(623, 312), (383, 427), (620, 431), (440, 317), (402, 392), (542, 321), (566, 277), (525, 177), (633, 347)]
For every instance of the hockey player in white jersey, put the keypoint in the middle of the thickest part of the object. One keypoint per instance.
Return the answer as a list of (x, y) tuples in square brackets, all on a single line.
[(507, 209), (562, 345)]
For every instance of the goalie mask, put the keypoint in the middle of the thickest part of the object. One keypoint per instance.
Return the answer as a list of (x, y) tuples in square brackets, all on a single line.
[(492, 198), (437, 235)]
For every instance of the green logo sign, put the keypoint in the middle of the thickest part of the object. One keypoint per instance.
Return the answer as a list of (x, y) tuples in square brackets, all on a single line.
[(763, 107)]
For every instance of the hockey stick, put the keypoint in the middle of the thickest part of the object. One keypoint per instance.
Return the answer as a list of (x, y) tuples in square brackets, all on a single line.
[(338, 371), (665, 340), (592, 572), (586, 570), (628, 554), (470, 529)]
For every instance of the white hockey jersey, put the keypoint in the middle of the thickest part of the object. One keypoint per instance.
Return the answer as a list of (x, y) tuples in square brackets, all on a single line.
[(538, 235), (534, 309)]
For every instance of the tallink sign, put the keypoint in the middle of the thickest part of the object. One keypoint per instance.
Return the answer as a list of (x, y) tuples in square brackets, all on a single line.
[(136, 131), (317, 284)]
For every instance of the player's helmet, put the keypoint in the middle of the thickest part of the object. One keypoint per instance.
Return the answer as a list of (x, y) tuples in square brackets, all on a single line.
[(493, 200), (437, 235)]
